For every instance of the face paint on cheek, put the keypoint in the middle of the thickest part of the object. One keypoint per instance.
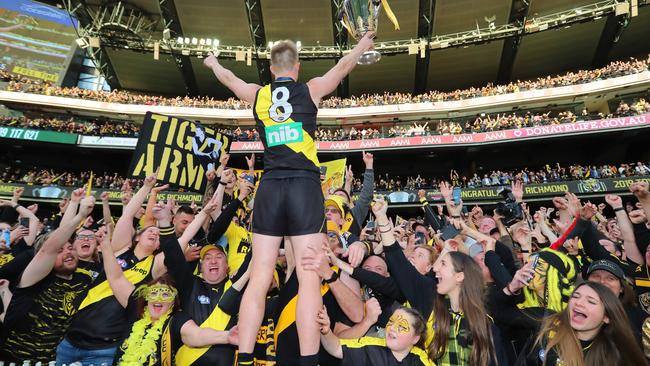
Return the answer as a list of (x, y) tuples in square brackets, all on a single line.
[(400, 323)]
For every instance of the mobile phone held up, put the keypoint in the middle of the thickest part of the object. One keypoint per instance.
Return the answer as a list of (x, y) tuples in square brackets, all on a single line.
[(456, 195), (250, 178), (534, 262)]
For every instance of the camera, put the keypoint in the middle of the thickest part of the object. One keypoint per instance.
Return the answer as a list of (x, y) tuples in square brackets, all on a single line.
[(509, 209)]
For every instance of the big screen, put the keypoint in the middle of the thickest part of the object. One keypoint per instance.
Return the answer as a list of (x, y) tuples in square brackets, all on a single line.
[(35, 39)]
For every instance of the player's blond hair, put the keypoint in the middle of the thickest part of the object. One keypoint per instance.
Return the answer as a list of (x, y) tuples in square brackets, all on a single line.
[(284, 55)]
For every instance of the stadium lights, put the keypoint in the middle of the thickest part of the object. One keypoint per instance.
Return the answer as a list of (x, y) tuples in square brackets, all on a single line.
[(489, 32)]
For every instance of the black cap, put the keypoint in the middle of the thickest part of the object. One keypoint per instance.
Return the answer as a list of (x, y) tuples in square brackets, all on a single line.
[(607, 265)]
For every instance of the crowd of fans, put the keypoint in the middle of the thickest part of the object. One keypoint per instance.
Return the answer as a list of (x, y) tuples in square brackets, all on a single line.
[(482, 123), (495, 178), (514, 286), (385, 182), (614, 69)]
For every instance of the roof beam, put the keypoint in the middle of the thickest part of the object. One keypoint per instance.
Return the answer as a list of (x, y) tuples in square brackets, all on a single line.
[(98, 55), (426, 11), (258, 36), (341, 42), (171, 21), (612, 31), (518, 14)]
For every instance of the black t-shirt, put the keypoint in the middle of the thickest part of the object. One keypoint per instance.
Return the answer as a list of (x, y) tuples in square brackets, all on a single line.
[(288, 351), (369, 351), (38, 316), (93, 269), (171, 329), (101, 320)]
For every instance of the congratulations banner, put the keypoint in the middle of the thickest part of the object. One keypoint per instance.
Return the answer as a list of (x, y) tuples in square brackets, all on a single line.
[(55, 193), (469, 195), (181, 150), (587, 186)]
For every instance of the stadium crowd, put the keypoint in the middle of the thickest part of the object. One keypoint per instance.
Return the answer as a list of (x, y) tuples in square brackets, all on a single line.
[(383, 182), (562, 284), (482, 123), (495, 178), (615, 69)]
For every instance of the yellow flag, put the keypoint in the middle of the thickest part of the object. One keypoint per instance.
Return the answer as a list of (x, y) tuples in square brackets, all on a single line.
[(335, 175)]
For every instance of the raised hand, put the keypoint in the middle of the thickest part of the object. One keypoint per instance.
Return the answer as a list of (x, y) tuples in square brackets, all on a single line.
[(251, 162), (210, 61), (445, 190), (150, 180), (637, 216), (86, 206), (379, 207), (368, 159), (162, 212), (17, 193), (159, 189), (77, 195), (640, 190), (223, 159), (349, 175), (614, 201), (373, 310), (517, 188), (104, 197)]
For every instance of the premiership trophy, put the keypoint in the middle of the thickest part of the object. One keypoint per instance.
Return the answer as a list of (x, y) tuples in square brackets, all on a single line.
[(360, 17)]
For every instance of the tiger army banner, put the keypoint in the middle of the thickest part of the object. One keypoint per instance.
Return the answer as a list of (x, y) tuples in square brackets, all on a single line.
[(180, 149)]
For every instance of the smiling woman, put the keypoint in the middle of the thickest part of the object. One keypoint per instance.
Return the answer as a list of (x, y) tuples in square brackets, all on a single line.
[(592, 330)]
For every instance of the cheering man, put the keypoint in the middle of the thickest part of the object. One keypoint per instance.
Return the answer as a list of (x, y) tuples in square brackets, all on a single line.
[(289, 199)]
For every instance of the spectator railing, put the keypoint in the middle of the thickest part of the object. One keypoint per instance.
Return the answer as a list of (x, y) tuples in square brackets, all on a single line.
[(431, 109)]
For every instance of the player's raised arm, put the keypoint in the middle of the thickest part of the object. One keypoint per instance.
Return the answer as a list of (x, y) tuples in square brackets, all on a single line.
[(324, 85), (243, 90)]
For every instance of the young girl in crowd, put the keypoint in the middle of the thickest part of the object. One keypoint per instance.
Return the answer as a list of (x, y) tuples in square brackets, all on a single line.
[(405, 335), (592, 330), (157, 329)]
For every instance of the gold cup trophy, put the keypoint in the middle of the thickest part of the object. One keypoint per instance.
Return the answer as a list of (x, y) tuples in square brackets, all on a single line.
[(360, 17)]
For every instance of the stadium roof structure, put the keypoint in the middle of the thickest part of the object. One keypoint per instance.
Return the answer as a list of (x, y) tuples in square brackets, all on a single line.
[(457, 43)]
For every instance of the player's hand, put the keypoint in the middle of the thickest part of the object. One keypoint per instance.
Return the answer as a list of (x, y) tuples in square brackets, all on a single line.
[(210, 61)]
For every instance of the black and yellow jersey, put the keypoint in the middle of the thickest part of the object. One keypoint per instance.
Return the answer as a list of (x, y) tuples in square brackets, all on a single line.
[(239, 244), (286, 333), (285, 118), (101, 320), (369, 351), (38, 316)]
